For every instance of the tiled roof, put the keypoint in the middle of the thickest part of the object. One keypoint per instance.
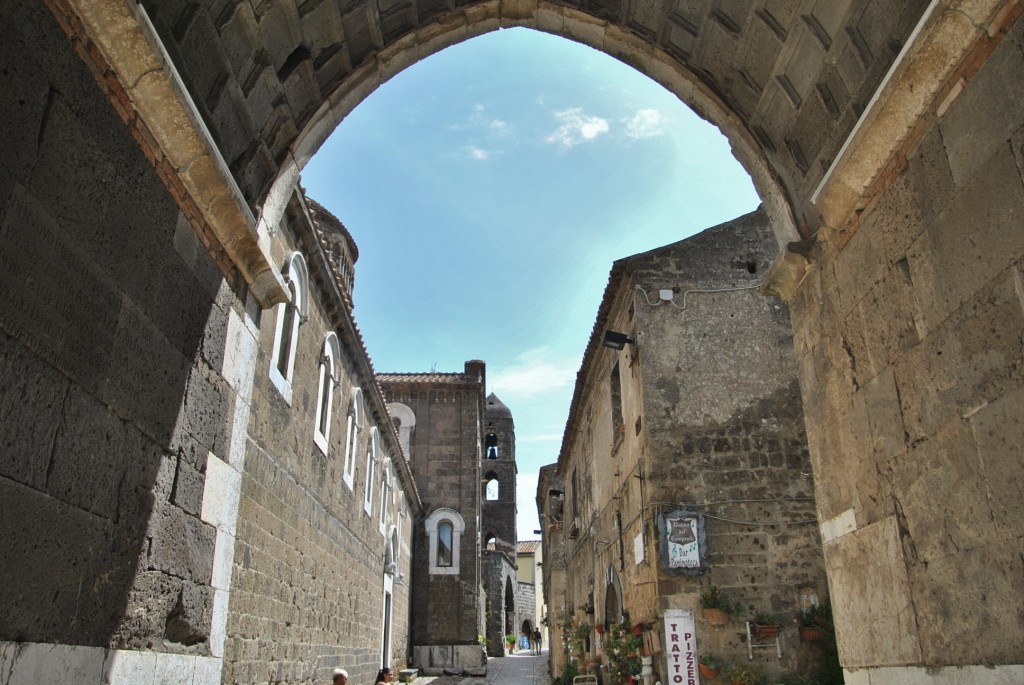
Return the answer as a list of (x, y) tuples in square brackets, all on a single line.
[(423, 377), (527, 546)]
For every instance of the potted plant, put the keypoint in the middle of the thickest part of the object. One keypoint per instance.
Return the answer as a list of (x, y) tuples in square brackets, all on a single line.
[(576, 635), (717, 607), (622, 648), (510, 640), (765, 625), (742, 675), (710, 666), (814, 622)]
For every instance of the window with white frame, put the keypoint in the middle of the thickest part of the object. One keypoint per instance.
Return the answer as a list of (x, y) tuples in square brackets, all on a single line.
[(289, 315), (405, 422), (325, 394), (444, 528), (385, 491), (372, 459), (353, 424)]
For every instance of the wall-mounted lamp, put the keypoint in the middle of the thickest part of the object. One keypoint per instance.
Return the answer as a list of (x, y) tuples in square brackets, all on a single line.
[(617, 341)]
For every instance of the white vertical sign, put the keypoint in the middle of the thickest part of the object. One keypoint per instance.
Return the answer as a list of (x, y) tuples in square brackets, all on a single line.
[(681, 647)]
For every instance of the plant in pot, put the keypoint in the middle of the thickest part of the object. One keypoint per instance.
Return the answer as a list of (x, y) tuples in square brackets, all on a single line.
[(717, 607), (622, 648), (815, 622), (510, 641), (710, 666), (742, 675), (576, 635), (766, 625)]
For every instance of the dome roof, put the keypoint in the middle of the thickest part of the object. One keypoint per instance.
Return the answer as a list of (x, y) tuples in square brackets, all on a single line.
[(496, 408)]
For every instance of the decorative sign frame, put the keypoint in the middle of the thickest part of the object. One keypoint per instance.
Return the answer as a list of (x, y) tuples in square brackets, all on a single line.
[(683, 543)]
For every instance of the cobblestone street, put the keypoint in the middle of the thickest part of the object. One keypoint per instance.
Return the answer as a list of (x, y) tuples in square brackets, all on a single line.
[(517, 669)]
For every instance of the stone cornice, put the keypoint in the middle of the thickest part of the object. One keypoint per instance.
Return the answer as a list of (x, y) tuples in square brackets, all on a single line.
[(120, 46)]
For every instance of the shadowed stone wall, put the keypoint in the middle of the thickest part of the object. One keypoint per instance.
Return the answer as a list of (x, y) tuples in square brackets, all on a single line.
[(113, 404)]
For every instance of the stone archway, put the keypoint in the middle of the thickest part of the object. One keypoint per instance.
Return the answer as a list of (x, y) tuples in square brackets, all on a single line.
[(901, 176)]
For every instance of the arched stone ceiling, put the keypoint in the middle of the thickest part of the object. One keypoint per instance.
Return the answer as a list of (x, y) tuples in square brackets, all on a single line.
[(786, 80)]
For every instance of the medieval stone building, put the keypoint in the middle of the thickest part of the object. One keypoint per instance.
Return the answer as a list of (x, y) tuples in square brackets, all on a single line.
[(442, 420), (150, 161), (684, 464)]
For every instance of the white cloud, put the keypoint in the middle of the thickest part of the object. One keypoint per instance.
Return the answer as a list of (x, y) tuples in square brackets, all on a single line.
[(479, 153), (645, 123), (535, 373), (577, 127)]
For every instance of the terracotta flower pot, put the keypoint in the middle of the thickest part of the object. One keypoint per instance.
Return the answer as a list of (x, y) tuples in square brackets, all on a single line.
[(708, 672), (764, 630), (716, 617), (810, 633), (599, 628)]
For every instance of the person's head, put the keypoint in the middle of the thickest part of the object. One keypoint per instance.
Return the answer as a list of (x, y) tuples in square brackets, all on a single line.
[(339, 677), (384, 675)]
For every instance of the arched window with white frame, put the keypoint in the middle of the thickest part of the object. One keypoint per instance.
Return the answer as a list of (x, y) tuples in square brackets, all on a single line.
[(329, 360), (372, 459), (385, 498), (444, 528), (405, 421), (353, 424), (289, 315)]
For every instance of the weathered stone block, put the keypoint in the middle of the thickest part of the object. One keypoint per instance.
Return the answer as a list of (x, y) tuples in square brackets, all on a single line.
[(986, 113), (181, 544), (998, 430), (32, 395), (973, 239), (971, 359), (939, 490), (870, 587), (968, 605)]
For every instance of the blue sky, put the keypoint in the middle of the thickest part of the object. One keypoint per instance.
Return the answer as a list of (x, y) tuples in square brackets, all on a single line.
[(489, 189)]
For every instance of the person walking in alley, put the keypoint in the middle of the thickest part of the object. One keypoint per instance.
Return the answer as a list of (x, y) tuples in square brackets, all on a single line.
[(384, 676), (537, 639), (339, 677)]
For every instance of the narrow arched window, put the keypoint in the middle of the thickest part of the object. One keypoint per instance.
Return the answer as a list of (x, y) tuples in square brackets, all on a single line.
[(444, 528), (444, 543), (372, 458), (325, 395), (289, 315), (353, 423), (491, 490)]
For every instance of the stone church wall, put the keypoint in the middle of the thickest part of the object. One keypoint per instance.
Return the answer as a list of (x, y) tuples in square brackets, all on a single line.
[(445, 455), (309, 573)]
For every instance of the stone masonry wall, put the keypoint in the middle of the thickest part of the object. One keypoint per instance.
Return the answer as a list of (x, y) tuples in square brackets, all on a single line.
[(112, 400), (308, 590), (909, 333), (726, 434), (445, 458)]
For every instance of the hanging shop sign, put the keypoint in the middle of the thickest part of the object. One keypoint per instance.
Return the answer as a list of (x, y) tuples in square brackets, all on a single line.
[(681, 647), (683, 543)]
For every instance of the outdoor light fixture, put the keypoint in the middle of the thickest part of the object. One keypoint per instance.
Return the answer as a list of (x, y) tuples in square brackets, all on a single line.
[(617, 341)]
